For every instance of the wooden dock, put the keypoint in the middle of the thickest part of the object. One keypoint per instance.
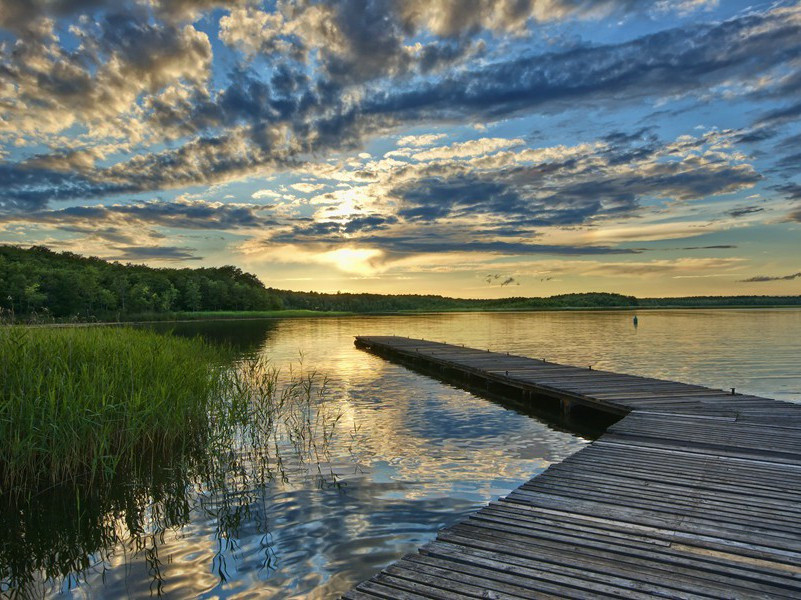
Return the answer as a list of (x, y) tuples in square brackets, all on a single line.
[(693, 493)]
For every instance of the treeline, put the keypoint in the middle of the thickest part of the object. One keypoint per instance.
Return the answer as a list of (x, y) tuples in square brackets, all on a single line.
[(713, 301), (367, 303), (38, 281), (371, 303)]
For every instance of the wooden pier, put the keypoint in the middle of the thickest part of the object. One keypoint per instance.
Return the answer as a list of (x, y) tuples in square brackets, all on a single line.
[(693, 493)]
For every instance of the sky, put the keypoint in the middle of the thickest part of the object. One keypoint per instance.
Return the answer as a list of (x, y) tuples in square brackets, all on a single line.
[(471, 148)]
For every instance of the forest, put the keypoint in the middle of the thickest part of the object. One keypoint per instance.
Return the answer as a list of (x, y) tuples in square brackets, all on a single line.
[(38, 281), (40, 284)]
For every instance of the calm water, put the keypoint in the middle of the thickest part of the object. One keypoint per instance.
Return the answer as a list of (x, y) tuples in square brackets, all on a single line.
[(410, 455)]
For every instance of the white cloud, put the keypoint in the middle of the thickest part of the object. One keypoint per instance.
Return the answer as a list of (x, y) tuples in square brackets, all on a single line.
[(265, 194), (470, 148), (419, 141), (307, 188)]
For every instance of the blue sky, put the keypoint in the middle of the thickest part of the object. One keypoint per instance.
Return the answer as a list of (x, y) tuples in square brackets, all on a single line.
[(471, 148)]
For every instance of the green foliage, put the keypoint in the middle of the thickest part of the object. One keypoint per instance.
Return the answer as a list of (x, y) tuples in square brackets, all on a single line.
[(727, 301), (77, 401), (380, 303), (43, 284), (367, 303)]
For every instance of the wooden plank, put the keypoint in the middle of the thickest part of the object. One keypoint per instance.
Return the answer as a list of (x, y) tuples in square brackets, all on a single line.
[(694, 494)]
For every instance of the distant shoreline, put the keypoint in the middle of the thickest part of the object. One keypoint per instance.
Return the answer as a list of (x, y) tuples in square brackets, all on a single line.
[(310, 314)]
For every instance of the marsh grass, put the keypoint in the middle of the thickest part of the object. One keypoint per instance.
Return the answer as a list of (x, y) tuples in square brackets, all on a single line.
[(112, 436), (76, 402)]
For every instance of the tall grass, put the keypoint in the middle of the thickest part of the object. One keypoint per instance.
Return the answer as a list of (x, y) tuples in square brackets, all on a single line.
[(76, 402), (108, 436)]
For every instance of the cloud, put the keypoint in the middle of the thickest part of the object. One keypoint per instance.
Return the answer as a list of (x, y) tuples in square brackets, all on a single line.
[(684, 7), (680, 267), (671, 62), (791, 191), (259, 194), (157, 74), (307, 188), (128, 102), (158, 253), (355, 41), (565, 186), (179, 214), (764, 278), (562, 200), (18, 15), (119, 59), (713, 247), (745, 210), (475, 147), (418, 141), (780, 116), (501, 280), (794, 215)]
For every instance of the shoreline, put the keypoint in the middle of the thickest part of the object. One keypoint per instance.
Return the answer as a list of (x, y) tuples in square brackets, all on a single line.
[(309, 314)]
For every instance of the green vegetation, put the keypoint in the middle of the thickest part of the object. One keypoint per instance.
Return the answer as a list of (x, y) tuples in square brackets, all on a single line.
[(37, 285), (379, 303), (372, 303), (76, 402), (114, 435), (64, 285)]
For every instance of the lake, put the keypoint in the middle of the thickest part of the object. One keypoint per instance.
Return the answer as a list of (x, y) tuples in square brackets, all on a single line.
[(408, 455)]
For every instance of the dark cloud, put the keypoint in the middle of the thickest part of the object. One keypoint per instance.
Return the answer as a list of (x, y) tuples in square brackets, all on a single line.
[(791, 143), (744, 211), (794, 215), (307, 230), (501, 280), (764, 278), (714, 247), (416, 246), (432, 199), (604, 182), (665, 63), (169, 253), (755, 135), (26, 188), (791, 191), (182, 215), (618, 138), (18, 15), (780, 116), (788, 164)]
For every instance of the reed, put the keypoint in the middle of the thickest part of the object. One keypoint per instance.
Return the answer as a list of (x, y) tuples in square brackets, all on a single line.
[(76, 402), (109, 435)]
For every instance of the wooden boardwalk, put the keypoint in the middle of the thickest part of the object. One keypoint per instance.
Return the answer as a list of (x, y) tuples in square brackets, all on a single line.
[(693, 493)]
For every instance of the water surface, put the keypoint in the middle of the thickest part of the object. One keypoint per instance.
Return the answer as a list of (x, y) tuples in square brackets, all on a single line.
[(410, 454)]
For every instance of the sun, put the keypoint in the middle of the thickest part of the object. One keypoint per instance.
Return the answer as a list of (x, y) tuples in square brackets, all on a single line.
[(360, 261)]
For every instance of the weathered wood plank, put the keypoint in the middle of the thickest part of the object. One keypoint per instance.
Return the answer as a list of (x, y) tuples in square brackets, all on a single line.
[(694, 494)]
